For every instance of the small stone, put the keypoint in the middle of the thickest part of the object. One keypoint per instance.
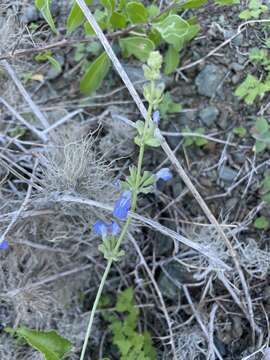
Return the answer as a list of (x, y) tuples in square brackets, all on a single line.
[(227, 174), (209, 115), (209, 79), (30, 14), (237, 41), (237, 67)]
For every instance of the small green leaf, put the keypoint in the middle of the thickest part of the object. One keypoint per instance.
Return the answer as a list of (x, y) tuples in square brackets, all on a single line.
[(44, 7), (171, 60), (138, 46), (259, 146), (194, 4), (136, 12), (95, 73), (261, 223), (49, 343), (266, 183), (76, 16), (153, 10), (261, 125), (240, 131), (266, 198), (118, 21), (172, 29), (226, 2)]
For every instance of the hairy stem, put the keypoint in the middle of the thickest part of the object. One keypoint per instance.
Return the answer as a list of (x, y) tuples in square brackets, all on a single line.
[(123, 232)]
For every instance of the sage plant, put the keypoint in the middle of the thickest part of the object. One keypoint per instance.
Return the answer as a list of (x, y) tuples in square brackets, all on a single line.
[(138, 182)]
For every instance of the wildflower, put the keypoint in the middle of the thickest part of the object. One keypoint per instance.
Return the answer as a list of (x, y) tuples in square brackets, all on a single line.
[(122, 205), (164, 174), (156, 117), (114, 228), (4, 245), (103, 229)]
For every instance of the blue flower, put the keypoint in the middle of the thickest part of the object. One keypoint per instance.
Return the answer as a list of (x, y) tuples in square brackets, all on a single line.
[(164, 174), (101, 228), (114, 228), (156, 117), (4, 245), (122, 205)]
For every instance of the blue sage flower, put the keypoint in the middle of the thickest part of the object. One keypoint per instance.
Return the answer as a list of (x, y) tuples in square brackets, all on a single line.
[(156, 117), (100, 228), (114, 228), (164, 174), (122, 205), (4, 245), (103, 229)]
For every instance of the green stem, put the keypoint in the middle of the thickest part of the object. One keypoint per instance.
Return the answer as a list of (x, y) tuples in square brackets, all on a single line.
[(123, 232)]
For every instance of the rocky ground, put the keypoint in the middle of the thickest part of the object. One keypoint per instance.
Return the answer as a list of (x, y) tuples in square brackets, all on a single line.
[(51, 271)]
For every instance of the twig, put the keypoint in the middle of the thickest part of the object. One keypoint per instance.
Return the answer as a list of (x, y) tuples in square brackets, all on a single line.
[(200, 322), (23, 121), (62, 121), (44, 281), (163, 305), (153, 224), (240, 29), (41, 117)]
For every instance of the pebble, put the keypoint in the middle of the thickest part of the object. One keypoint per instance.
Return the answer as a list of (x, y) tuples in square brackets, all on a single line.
[(237, 41), (30, 14), (209, 79), (227, 174), (209, 115)]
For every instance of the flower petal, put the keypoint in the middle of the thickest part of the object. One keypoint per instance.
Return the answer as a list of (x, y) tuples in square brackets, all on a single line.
[(164, 174), (4, 245), (122, 205), (100, 228)]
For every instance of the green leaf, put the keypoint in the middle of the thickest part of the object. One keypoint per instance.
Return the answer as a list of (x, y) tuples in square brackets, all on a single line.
[(136, 12), (194, 4), (46, 56), (138, 46), (226, 2), (261, 125), (95, 73), (153, 10), (49, 343), (44, 7), (261, 223), (101, 19), (240, 131), (76, 16), (171, 60), (259, 146), (172, 29), (266, 198), (266, 183), (118, 21)]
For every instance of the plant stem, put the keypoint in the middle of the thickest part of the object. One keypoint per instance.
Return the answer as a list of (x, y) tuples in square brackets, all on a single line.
[(122, 235)]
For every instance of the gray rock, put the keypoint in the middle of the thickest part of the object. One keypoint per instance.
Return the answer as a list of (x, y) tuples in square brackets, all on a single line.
[(238, 40), (209, 115), (209, 80), (227, 174), (30, 14)]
